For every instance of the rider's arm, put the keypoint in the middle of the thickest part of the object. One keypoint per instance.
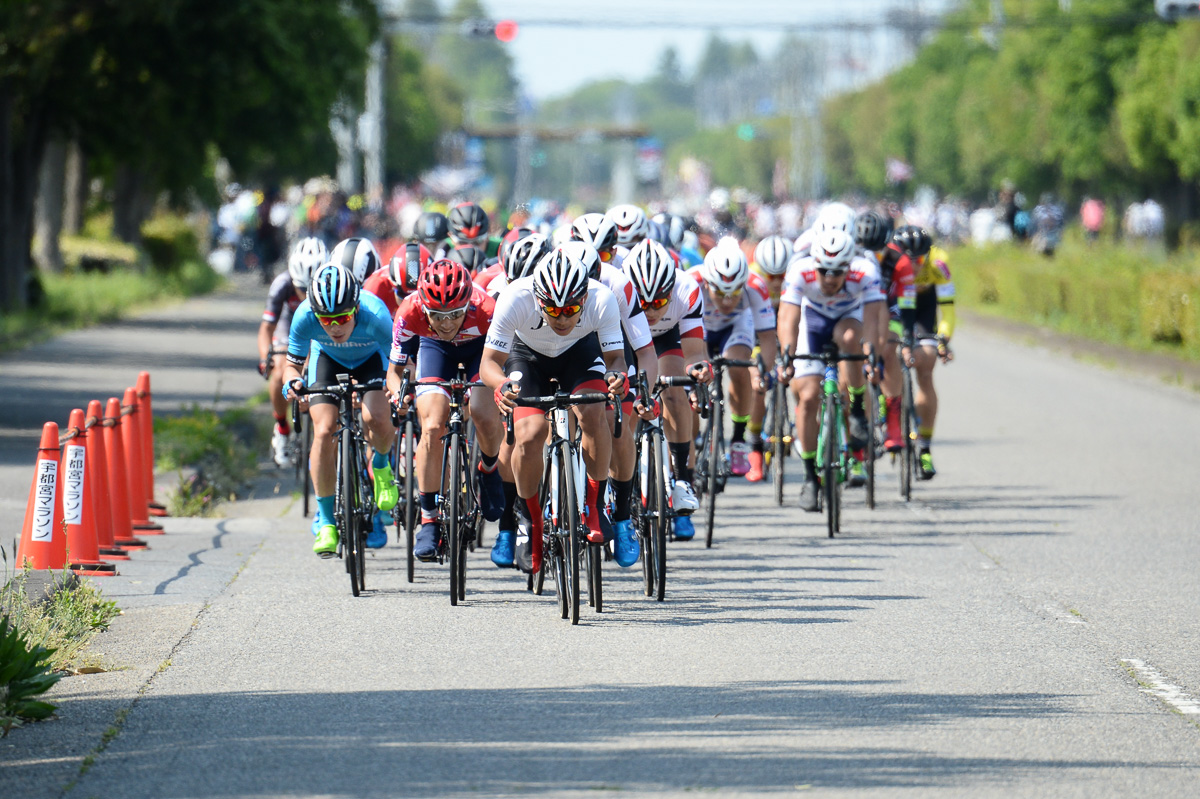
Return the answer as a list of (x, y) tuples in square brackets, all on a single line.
[(266, 332), (789, 324), (491, 367), (945, 295)]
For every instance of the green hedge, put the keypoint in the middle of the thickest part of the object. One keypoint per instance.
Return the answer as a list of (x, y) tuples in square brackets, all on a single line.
[(1106, 292)]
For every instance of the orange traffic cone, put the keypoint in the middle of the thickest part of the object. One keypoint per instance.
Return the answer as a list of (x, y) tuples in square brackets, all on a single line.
[(79, 515), (135, 477), (97, 475), (43, 543), (118, 493), (146, 415)]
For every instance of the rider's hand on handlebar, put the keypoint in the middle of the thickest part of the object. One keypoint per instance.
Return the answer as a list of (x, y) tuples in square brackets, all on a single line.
[(648, 411), (264, 368), (944, 352), (618, 384), (290, 387), (505, 396), (701, 372)]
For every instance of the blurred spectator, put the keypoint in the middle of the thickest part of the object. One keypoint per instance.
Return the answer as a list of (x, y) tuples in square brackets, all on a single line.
[(1091, 214), (1047, 219)]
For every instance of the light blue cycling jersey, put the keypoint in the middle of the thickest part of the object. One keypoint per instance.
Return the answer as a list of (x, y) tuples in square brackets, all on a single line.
[(372, 334)]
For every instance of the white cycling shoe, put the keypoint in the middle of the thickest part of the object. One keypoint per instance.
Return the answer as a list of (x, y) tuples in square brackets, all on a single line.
[(683, 499), (279, 448)]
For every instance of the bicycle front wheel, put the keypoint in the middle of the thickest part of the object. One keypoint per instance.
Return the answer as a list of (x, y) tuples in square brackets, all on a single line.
[(659, 519), (779, 437), (713, 457), (907, 452), (569, 520), (872, 448), (410, 492), (453, 520), (829, 471), (348, 503)]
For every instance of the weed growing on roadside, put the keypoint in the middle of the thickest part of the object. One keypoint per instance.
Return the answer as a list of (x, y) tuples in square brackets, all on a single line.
[(213, 453)]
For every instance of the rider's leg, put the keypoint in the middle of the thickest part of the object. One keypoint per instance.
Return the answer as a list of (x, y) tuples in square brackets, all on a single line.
[(925, 359)]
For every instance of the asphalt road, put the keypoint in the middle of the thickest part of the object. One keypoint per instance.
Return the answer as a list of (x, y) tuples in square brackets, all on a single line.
[(1027, 626)]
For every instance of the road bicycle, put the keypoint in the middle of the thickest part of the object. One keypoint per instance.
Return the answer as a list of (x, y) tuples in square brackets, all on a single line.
[(563, 495), (876, 426), (833, 448), (301, 446), (778, 434), (909, 424), (712, 462), (653, 516), (354, 498), (458, 501)]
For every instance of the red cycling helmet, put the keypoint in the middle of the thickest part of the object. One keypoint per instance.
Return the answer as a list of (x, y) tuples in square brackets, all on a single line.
[(445, 286)]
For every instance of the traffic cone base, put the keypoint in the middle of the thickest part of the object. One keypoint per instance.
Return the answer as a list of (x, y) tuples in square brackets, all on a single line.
[(149, 528), (113, 553)]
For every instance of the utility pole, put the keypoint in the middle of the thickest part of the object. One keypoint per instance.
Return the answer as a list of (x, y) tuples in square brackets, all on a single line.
[(371, 126)]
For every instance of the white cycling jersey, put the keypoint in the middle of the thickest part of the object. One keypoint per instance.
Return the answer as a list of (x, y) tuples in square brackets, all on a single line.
[(755, 299), (802, 286), (685, 309), (518, 315), (637, 330)]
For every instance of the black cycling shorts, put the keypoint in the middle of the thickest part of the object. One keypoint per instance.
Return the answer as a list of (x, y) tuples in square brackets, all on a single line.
[(580, 367), (325, 370)]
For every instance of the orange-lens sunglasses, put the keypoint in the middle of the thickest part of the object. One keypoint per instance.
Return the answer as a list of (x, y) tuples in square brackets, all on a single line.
[(337, 319)]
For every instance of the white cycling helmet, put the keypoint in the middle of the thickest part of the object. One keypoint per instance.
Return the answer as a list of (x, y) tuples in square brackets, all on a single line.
[(651, 269), (358, 255), (772, 255), (307, 255), (675, 228), (524, 256), (833, 249), (560, 278), (836, 216), (587, 256), (596, 229), (725, 267), (630, 222)]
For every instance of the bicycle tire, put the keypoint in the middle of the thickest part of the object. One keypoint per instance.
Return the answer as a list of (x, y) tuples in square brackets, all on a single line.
[(595, 576), (366, 512), (642, 506), (660, 519), (828, 468), (305, 453), (779, 431), (872, 448), (453, 517), (476, 541), (410, 493), (713, 457), (570, 521), (906, 438), (346, 502)]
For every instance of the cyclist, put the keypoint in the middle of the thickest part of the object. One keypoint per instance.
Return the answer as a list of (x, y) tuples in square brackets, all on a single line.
[(822, 303), (432, 230), (771, 258), (359, 256), (285, 295), (396, 282), (736, 315), (832, 216), (600, 232), (674, 309), (473, 258), (555, 324), (469, 225), (630, 222), (921, 286), (640, 354), (348, 332), (443, 324)]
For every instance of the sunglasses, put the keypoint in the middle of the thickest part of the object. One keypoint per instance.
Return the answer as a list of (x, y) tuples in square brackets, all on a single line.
[(727, 295), (336, 319), (606, 255), (656, 304), (446, 316), (823, 272), (555, 311)]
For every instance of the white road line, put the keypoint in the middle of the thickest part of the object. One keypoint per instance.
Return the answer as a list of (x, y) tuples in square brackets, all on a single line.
[(1155, 684)]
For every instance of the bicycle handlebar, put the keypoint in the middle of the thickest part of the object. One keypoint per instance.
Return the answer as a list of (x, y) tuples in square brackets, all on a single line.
[(722, 361), (560, 400), (342, 388)]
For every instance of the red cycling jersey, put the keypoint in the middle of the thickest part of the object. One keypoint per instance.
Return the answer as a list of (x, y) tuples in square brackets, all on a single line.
[(411, 321)]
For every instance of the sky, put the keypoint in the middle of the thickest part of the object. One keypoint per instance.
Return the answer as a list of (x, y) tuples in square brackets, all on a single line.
[(562, 44)]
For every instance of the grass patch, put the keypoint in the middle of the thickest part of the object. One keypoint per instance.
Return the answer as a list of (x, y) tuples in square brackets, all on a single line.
[(1117, 294), (214, 453)]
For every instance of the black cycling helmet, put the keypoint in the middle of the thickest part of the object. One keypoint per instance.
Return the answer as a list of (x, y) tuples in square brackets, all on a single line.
[(468, 223), (914, 241), (431, 228), (870, 231), (472, 258)]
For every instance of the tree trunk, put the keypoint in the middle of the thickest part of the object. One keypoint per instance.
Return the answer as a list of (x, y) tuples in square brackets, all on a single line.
[(20, 155), (77, 189), (48, 213), (130, 204)]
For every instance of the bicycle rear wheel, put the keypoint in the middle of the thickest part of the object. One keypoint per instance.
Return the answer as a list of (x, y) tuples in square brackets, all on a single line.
[(907, 454), (595, 558), (872, 448), (304, 476)]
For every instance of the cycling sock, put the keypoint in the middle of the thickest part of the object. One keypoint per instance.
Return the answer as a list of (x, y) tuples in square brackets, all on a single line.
[(810, 464), (379, 460), (739, 428), (508, 518), (624, 491), (856, 398), (596, 491), (487, 463), (325, 509), (925, 434), (429, 502), (679, 459), (535, 517), (281, 424)]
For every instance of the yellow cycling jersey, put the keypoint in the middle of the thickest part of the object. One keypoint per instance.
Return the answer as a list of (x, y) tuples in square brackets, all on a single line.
[(936, 272)]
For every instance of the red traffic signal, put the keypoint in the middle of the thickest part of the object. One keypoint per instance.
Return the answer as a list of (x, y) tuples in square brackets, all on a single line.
[(506, 30)]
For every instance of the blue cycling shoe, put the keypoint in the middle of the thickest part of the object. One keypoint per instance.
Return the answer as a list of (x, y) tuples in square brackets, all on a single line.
[(491, 494), (684, 529), (626, 547), (425, 547), (377, 538), (504, 550)]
